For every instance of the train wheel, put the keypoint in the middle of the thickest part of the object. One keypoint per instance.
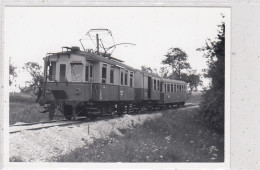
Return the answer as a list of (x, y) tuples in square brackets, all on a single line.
[(51, 111), (92, 117), (68, 118), (67, 112), (120, 109)]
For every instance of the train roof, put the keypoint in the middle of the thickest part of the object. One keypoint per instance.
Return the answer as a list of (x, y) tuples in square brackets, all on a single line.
[(96, 58), (147, 73), (172, 81), (91, 56)]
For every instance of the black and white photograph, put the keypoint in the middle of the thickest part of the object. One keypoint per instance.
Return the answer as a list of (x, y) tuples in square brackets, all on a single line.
[(118, 84)]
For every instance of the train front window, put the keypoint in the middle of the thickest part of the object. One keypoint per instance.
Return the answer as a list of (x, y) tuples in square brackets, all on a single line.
[(122, 78), (62, 72), (76, 71), (112, 75), (86, 73), (51, 74), (91, 71), (131, 79), (126, 77), (104, 73)]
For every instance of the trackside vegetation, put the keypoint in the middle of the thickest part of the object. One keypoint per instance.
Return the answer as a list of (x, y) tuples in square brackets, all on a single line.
[(178, 136), (212, 105)]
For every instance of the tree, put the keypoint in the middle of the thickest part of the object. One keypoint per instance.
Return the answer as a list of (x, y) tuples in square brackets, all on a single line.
[(164, 72), (35, 71), (212, 106), (12, 72), (177, 60), (193, 80), (149, 70)]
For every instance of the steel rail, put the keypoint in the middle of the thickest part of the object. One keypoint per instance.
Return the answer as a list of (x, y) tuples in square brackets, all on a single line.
[(83, 120)]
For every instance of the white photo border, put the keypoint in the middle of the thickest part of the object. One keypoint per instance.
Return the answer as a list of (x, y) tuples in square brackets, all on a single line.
[(5, 93)]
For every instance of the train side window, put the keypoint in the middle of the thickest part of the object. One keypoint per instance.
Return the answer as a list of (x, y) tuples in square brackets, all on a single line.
[(126, 77), (91, 71), (112, 75), (86, 73), (158, 85), (168, 87), (62, 72), (51, 71), (171, 87), (122, 78), (131, 79), (165, 88), (76, 71), (154, 84), (175, 90), (104, 73)]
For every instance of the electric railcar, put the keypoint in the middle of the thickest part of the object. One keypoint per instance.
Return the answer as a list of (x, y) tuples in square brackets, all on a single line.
[(92, 84)]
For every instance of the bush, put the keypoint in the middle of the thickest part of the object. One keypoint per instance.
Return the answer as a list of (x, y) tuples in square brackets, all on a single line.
[(22, 98), (23, 108), (212, 107)]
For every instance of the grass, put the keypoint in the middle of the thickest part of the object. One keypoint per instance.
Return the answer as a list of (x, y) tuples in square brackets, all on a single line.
[(195, 97), (23, 108), (178, 136), (22, 98)]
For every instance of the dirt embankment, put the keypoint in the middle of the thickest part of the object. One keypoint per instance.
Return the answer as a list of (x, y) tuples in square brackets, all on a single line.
[(180, 135), (49, 144)]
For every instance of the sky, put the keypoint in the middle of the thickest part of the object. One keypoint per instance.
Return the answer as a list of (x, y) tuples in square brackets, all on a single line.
[(31, 32)]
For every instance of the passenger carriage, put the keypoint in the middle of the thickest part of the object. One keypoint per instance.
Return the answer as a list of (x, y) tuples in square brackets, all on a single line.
[(173, 92)]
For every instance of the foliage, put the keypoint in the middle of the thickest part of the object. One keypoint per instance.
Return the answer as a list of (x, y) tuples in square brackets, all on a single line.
[(193, 80), (35, 71), (178, 137), (177, 60), (12, 72), (164, 72), (212, 105), (149, 70)]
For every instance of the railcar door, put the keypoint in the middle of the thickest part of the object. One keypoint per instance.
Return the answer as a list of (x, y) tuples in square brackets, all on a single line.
[(88, 81), (149, 87)]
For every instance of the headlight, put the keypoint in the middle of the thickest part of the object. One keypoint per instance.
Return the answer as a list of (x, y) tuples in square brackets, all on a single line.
[(77, 91)]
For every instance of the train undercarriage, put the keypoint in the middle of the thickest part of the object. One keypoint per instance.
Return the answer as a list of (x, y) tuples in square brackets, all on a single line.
[(92, 109)]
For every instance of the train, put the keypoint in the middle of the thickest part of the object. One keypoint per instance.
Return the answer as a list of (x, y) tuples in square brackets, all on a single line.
[(91, 83)]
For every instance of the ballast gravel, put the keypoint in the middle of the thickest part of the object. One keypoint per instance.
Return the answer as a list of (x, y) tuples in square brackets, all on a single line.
[(48, 144)]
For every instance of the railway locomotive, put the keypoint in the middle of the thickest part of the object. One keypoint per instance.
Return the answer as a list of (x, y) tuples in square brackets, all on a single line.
[(93, 83)]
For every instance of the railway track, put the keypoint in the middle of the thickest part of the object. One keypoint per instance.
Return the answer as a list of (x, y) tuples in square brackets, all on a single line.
[(48, 124)]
